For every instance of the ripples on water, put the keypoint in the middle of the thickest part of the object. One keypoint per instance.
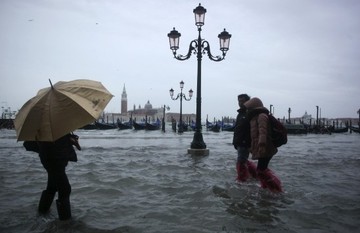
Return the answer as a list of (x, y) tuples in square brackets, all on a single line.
[(138, 181)]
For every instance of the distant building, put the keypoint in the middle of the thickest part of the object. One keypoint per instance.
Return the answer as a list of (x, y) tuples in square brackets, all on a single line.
[(148, 111), (307, 119), (140, 114), (124, 102), (6, 113)]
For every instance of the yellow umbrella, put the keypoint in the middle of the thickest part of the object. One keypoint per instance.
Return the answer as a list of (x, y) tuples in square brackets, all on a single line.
[(57, 110)]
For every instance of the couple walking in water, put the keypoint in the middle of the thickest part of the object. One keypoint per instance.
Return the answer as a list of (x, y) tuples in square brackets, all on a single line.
[(251, 135)]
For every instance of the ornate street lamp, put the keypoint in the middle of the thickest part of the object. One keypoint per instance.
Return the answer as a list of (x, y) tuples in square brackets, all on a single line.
[(199, 47), (182, 96)]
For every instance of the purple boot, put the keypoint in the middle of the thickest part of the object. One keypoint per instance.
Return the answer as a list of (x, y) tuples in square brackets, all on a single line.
[(242, 172), (252, 169), (269, 180)]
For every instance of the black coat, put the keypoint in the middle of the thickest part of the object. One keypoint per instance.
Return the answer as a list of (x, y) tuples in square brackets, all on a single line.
[(242, 130), (61, 149)]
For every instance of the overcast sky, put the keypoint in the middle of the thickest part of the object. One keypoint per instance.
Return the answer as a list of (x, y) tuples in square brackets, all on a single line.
[(295, 54)]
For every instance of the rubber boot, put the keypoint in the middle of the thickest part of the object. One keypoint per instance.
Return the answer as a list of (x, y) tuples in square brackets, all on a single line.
[(270, 181), (45, 202), (63, 209), (242, 172), (252, 169)]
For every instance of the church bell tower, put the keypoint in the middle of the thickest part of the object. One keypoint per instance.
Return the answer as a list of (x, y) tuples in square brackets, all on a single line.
[(124, 102)]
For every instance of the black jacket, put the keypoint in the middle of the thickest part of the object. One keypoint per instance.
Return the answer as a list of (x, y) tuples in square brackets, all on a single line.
[(61, 149), (242, 130)]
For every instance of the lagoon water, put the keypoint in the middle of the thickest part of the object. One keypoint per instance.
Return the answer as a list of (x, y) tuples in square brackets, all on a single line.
[(144, 181)]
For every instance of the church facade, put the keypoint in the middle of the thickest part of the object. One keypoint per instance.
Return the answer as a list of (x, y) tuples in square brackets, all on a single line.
[(137, 113), (140, 113)]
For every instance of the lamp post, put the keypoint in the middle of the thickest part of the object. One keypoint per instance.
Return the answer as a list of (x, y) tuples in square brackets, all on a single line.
[(199, 47), (182, 96), (271, 106)]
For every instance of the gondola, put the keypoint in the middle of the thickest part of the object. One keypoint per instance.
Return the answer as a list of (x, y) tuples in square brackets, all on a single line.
[(138, 126), (338, 130), (91, 126), (6, 124), (181, 128), (184, 126), (152, 126), (215, 127), (228, 127), (104, 126), (354, 129), (295, 129), (124, 125)]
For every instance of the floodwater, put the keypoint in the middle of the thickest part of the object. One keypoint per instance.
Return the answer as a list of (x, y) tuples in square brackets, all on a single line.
[(144, 181)]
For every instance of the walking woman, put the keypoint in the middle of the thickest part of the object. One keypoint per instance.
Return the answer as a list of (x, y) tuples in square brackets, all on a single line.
[(262, 148), (55, 156)]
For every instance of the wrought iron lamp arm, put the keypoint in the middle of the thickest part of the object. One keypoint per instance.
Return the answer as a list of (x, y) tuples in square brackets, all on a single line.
[(192, 48), (184, 97), (175, 98), (206, 48)]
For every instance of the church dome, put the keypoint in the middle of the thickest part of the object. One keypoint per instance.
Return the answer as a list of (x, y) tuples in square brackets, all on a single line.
[(148, 105)]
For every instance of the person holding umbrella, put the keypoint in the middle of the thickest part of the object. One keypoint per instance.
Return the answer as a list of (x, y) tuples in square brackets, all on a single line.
[(54, 157), (44, 123)]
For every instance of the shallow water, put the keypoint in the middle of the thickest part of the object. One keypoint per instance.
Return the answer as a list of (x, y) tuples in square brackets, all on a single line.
[(144, 181)]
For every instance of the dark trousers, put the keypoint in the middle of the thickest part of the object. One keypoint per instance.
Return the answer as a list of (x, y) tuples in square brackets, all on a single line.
[(57, 178), (263, 163)]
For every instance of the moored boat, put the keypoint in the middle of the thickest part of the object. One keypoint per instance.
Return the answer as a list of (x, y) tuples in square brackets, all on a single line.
[(103, 126), (338, 130), (89, 126), (139, 126), (354, 129), (295, 129), (124, 125), (215, 127), (6, 123), (152, 126), (228, 127)]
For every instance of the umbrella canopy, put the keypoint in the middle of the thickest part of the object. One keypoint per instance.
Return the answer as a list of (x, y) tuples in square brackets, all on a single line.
[(57, 110)]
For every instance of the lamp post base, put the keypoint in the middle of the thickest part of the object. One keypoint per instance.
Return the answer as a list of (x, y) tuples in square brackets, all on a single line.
[(198, 152)]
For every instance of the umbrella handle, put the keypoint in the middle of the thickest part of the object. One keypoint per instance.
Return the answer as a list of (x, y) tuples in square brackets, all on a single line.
[(75, 141), (51, 84)]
